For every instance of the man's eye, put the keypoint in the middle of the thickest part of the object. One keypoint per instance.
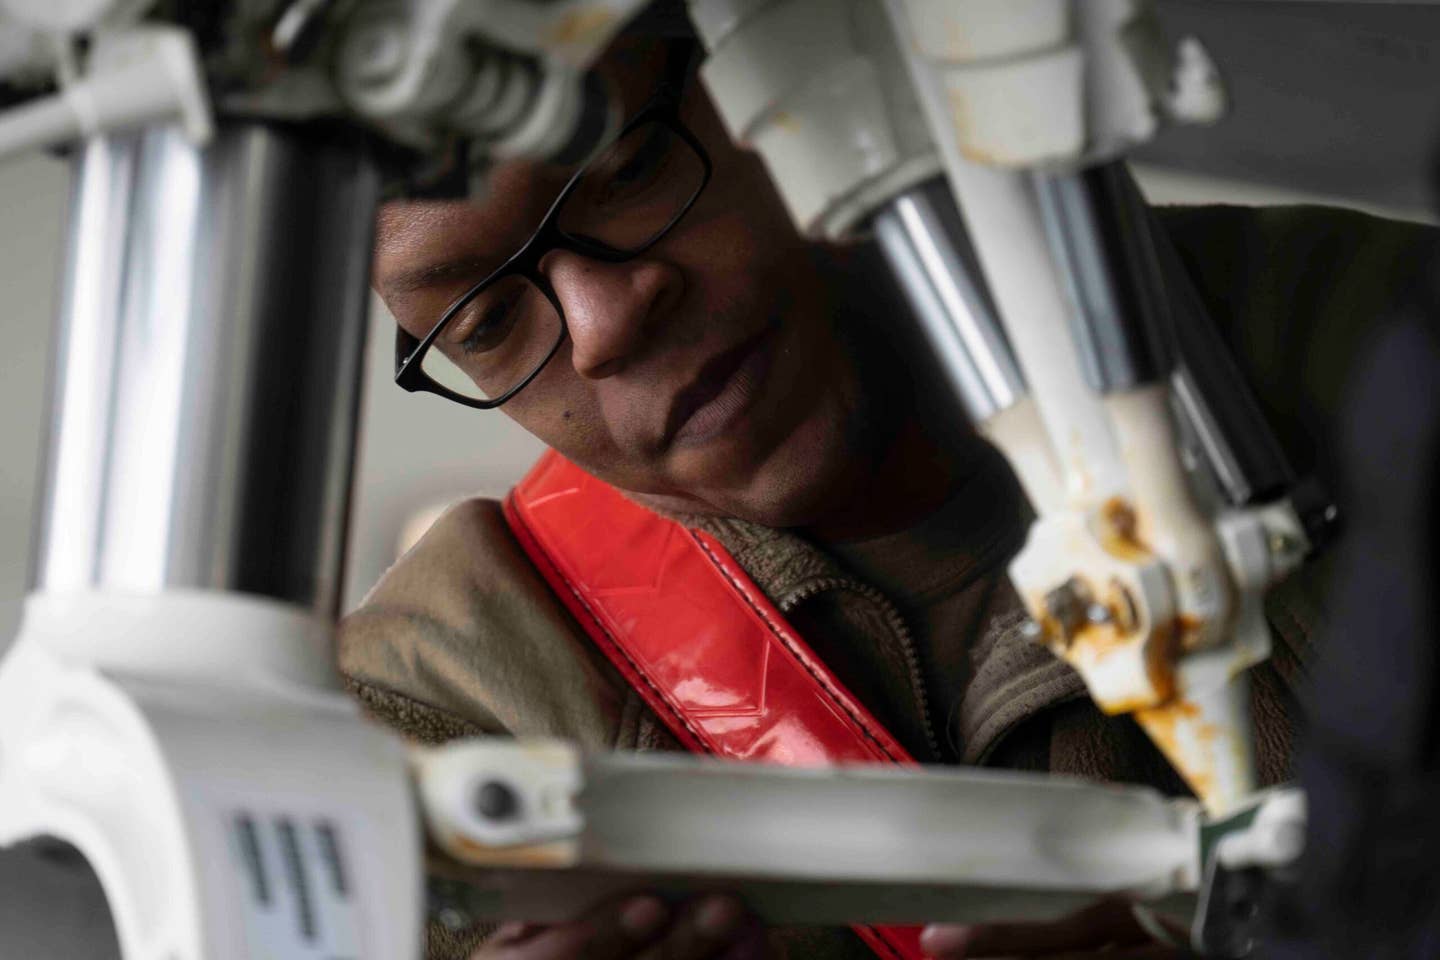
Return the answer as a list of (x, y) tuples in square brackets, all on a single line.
[(484, 325), (634, 171)]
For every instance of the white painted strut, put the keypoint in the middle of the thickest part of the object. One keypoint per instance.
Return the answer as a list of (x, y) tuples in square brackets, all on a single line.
[(547, 830), (195, 749)]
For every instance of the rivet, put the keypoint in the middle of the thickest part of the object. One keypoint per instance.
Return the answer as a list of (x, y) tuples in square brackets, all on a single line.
[(497, 800)]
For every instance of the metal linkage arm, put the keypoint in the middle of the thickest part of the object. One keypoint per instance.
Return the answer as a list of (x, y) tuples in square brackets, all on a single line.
[(862, 844), (1148, 588), (540, 830)]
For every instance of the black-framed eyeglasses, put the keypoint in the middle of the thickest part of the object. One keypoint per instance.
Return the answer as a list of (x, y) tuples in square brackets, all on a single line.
[(498, 335)]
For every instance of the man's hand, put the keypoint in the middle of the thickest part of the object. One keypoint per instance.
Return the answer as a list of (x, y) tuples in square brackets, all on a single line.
[(641, 927), (1106, 930)]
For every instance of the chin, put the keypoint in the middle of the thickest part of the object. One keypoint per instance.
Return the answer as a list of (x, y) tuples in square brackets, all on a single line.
[(789, 502), (803, 475)]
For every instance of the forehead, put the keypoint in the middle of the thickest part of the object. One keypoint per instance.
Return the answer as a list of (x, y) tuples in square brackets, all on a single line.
[(417, 241), (416, 236)]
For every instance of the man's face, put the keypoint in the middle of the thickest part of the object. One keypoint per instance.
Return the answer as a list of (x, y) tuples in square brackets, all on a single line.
[(702, 376)]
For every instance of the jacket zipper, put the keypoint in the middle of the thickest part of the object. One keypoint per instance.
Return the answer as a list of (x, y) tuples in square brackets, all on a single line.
[(898, 627)]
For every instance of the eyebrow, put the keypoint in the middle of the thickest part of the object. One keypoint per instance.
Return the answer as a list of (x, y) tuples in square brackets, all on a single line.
[(434, 274)]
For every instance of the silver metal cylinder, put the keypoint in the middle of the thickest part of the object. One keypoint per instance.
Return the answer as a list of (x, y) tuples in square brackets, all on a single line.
[(1098, 229), (1215, 402), (206, 367), (1138, 318), (924, 240)]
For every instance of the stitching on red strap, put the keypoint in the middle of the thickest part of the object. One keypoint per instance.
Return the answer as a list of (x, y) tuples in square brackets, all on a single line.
[(884, 941), (780, 635), (544, 557)]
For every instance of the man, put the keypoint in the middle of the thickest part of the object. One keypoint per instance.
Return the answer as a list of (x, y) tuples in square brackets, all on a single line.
[(722, 370)]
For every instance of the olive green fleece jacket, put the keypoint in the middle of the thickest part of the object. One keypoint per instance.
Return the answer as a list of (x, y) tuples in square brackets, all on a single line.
[(462, 636)]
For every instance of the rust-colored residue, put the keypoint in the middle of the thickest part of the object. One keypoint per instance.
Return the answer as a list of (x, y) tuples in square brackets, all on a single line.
[(1122, 606), (581, 26), (1119, 532), (1102, 639), (557, 853), (1116, 708), (1189, 630), (786, 121), (1163, 726), (1051, 632), (960, 115), (1160, 658)]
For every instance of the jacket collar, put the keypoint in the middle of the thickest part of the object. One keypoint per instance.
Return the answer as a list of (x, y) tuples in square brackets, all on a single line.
[(1013, 678)]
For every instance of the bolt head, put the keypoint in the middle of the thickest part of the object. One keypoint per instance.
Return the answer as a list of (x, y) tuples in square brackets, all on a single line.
[(1066, 605), (497, 800), (1284, 545)]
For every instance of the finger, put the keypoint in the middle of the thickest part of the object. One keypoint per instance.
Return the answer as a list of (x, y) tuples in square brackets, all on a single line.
[(514, 931), (706, 928), (609, 932), (1108, 922), (1161, 929)]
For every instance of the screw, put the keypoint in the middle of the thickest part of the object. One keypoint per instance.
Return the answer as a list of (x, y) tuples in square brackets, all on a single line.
[(1067, 604), (497, 800), (1284, 545), (1127, 617)]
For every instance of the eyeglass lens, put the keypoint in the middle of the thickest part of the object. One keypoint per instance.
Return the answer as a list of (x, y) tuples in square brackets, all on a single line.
[(625, 197), (495, 340), (632, 191)]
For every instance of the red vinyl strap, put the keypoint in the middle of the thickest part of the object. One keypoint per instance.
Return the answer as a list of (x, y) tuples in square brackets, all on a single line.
[(686, 627)]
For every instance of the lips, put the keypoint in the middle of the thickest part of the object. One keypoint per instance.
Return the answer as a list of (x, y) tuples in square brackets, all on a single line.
[(720, 393)]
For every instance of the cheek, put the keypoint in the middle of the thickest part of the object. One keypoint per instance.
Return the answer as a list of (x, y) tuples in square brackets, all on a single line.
[(565, 412), (557, 408), (740, 256), (747, 185)]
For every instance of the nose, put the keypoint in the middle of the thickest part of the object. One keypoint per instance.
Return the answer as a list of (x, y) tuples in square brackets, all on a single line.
[(613, 310)]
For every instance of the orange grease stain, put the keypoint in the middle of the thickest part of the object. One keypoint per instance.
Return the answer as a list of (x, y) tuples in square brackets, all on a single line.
[(554, 854), (580, 26), (1119, 532), (1162, 724)]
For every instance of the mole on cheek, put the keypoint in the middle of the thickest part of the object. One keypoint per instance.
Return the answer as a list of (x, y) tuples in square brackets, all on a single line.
[(566, 414)]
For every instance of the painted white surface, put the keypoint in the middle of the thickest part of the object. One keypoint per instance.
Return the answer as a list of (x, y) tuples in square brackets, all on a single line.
[(1166, 186)]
